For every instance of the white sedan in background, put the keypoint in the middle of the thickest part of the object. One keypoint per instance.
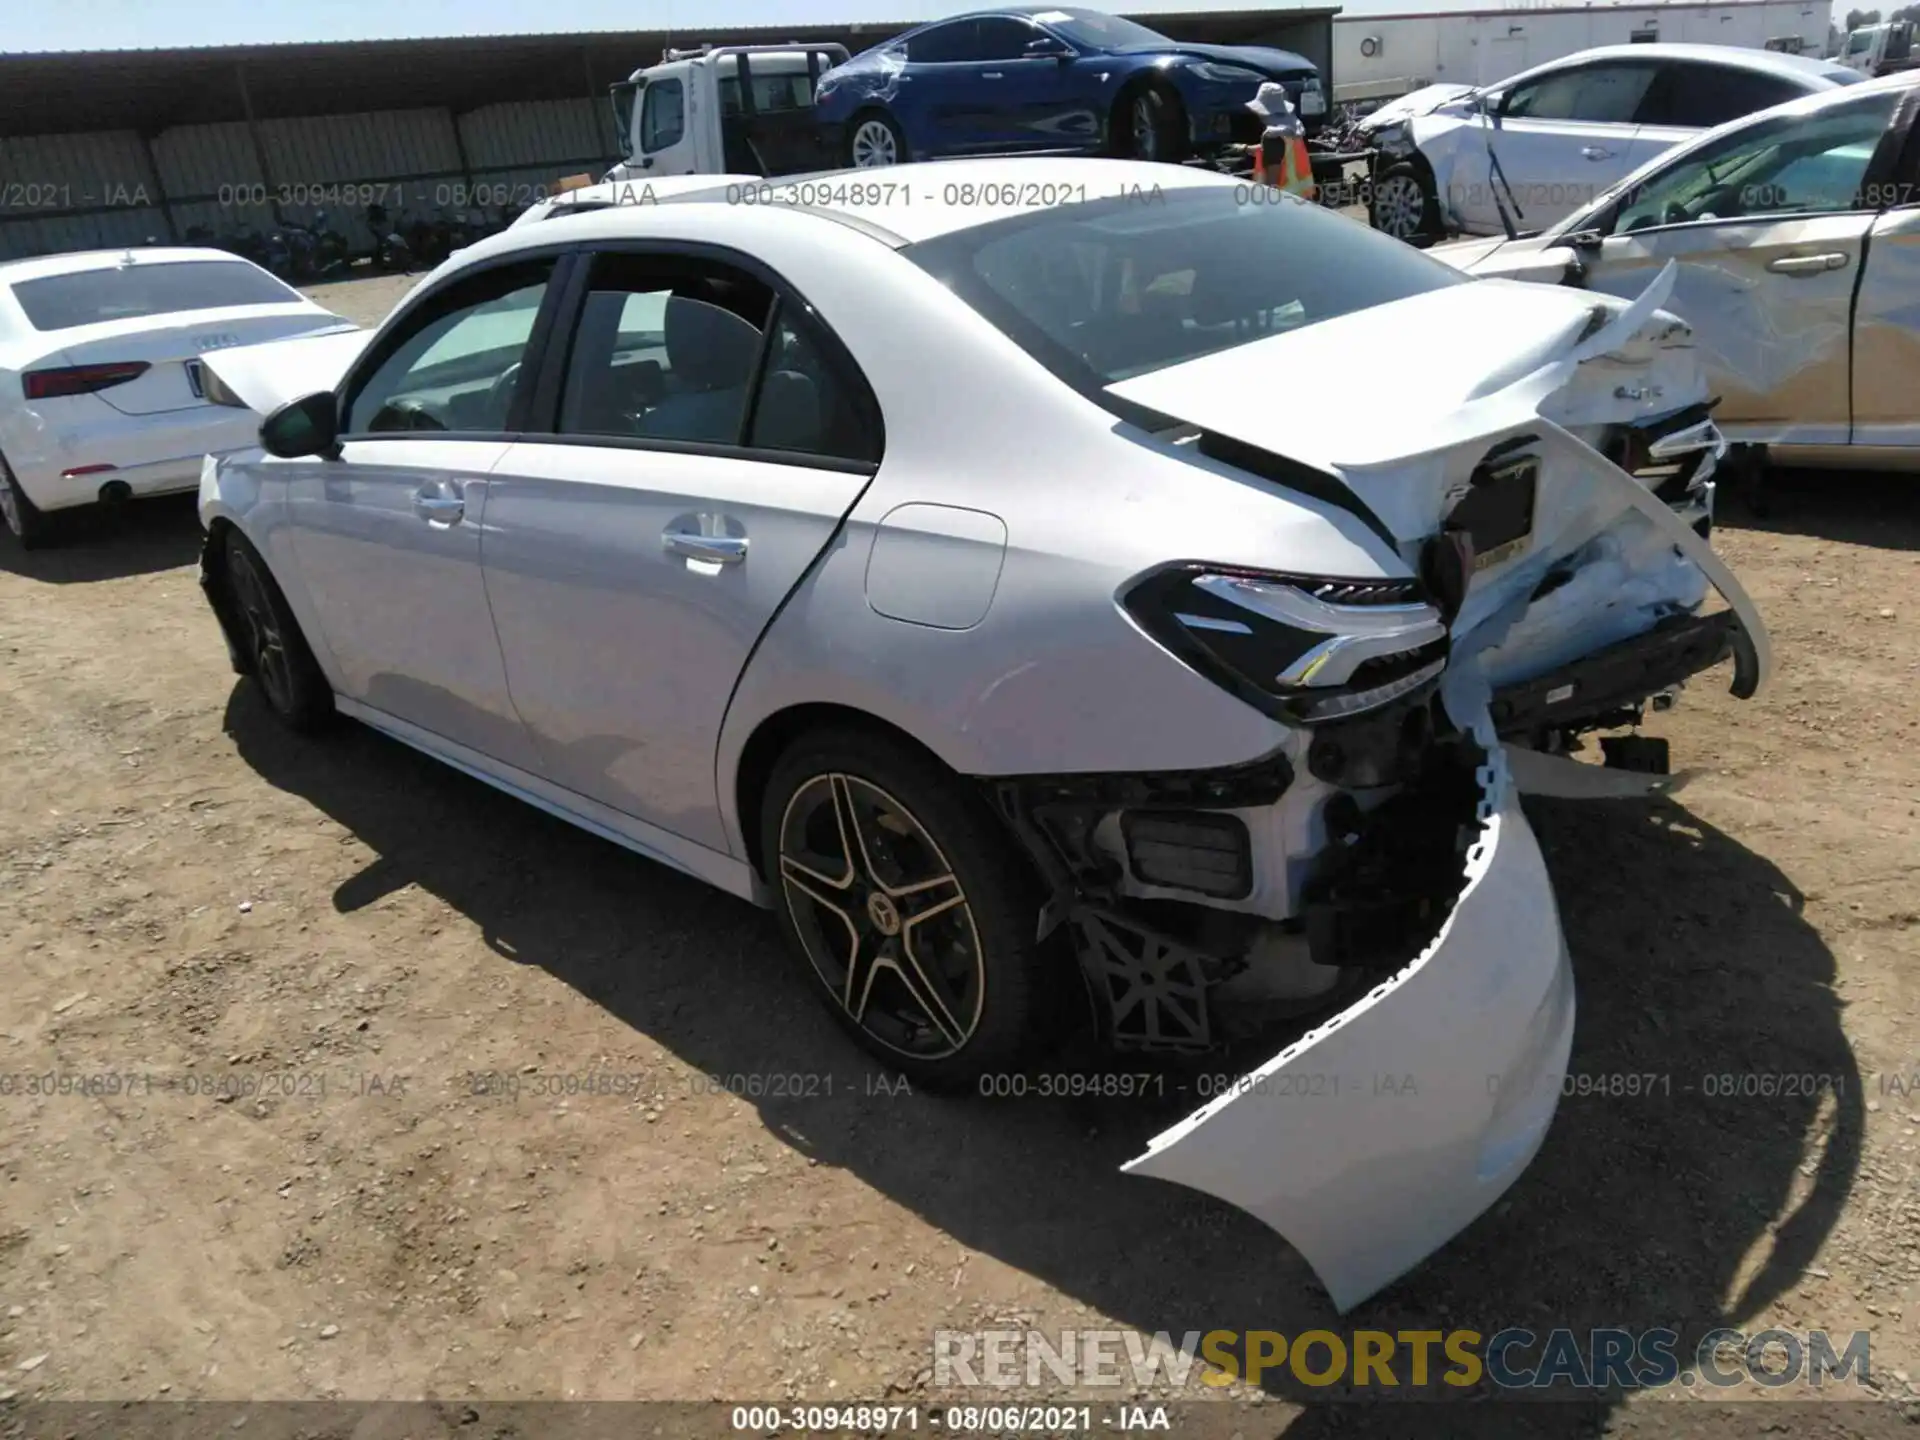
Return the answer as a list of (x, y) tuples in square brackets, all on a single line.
[(102, 395), (1563, 132)]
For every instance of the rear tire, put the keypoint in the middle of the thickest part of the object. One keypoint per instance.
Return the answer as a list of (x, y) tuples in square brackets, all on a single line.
[(273, 651), (24, 520), (904, 901), (1404, 205), (875, 142)]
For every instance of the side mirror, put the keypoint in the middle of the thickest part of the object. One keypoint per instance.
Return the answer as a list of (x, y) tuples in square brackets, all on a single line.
[(1046, 47), (307, 426), (1588, 239)]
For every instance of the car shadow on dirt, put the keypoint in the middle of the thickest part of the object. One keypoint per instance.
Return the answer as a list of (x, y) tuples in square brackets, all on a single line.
[(90, 545), (1706, 1144), (1857, 507)]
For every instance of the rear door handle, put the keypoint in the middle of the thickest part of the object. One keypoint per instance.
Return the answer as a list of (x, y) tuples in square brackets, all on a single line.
[(1807, 264), (1596, 152), (439, 504), (714, 549)]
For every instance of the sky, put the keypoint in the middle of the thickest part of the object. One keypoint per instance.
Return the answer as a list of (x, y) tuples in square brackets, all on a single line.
[(137, 24)]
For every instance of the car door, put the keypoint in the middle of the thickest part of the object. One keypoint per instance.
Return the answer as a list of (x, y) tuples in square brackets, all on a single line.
[(708, 437), (1688, 96), (387, 535), (938, 94), (1768, 225), (1886, 333), (668, 141), (1561, 136), (1027, 100)]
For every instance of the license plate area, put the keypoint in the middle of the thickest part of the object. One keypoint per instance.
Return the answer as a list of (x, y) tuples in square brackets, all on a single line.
[(1497, 510)]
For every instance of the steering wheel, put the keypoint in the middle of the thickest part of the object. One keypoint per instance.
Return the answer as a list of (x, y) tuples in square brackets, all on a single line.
[(1674, 213), (406, 414), (500, 393)]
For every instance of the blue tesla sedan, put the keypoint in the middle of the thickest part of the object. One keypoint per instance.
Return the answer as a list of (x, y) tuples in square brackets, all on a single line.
[(1052, 80)]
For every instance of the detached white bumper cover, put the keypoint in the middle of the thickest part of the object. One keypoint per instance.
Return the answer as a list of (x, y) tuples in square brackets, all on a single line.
[(1375, 1139), (266, 376)]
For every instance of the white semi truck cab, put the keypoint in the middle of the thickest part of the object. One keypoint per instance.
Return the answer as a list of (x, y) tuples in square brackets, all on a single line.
[(725, 110), (1880, 49)]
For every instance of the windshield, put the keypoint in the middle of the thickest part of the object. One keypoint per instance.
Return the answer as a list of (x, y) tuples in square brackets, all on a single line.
[(1090, 30), (1103, 291), (134, 292)]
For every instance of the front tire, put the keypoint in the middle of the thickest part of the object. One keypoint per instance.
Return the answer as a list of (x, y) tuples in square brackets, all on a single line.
[(1148, 125), (906, 905), (875, 142), (24, 520), (1404, 205), (273, 652)]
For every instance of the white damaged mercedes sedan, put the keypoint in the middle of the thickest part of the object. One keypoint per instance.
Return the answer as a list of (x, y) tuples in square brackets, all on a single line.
[(994, 570)]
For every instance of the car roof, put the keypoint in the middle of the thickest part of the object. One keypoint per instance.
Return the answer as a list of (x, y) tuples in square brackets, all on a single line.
[(1734, 57), (901, 205), (74, 262)]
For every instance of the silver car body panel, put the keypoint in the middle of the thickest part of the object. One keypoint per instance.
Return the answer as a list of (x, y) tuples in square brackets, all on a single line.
[(1886, 336), (1011, 656)]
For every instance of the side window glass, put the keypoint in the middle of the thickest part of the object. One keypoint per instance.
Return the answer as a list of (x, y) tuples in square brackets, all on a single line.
[(805, 404), (662, 115), (1003, 38), (1702, 96), (1791, 165), (1596, 94), (458, 358), (942, 43), (665, 350)]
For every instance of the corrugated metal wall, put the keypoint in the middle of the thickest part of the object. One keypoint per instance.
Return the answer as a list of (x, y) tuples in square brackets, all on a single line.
[(103, 189), (76, 192)]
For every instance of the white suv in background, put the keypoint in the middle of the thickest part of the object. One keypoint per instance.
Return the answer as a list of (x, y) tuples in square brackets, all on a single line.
[(1543, 143)]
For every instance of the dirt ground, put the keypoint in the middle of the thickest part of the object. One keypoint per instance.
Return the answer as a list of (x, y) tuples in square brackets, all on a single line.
[(349, 934)]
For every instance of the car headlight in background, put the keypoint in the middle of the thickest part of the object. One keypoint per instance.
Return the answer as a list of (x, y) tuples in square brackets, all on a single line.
[(1219, 74), (1304, 649)]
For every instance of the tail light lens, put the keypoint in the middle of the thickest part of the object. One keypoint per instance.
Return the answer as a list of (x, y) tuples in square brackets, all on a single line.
[(80, 379), (1305, 649)]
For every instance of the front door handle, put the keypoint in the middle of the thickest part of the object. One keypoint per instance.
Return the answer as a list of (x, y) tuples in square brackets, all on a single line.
[(1807, 264), (714, 549), (1596, 152), (992, 75), (438, 505)]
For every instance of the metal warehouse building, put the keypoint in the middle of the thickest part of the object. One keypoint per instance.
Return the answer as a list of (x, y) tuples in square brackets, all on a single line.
[(158, 142)]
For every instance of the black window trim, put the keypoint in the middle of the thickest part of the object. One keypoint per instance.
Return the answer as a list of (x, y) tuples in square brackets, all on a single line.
[(541, 423), (384, 343)]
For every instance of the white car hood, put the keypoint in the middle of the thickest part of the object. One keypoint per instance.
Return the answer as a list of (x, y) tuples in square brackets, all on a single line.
[(1424, 101), (1536, 258), (267, 376)]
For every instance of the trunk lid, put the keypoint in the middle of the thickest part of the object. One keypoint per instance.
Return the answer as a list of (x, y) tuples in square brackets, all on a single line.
[(1403, 401), (266, 376), (174, 352)]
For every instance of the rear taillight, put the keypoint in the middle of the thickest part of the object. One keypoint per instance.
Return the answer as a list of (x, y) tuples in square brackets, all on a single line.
[(80, 379), (1305, 649)]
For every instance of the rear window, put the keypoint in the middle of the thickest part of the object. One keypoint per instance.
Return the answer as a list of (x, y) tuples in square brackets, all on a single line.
[(1113, 288), (133, 292)]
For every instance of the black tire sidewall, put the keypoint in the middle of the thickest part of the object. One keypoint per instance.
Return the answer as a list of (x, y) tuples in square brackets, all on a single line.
[(310, 701), (1000, 889), (33, 524)]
